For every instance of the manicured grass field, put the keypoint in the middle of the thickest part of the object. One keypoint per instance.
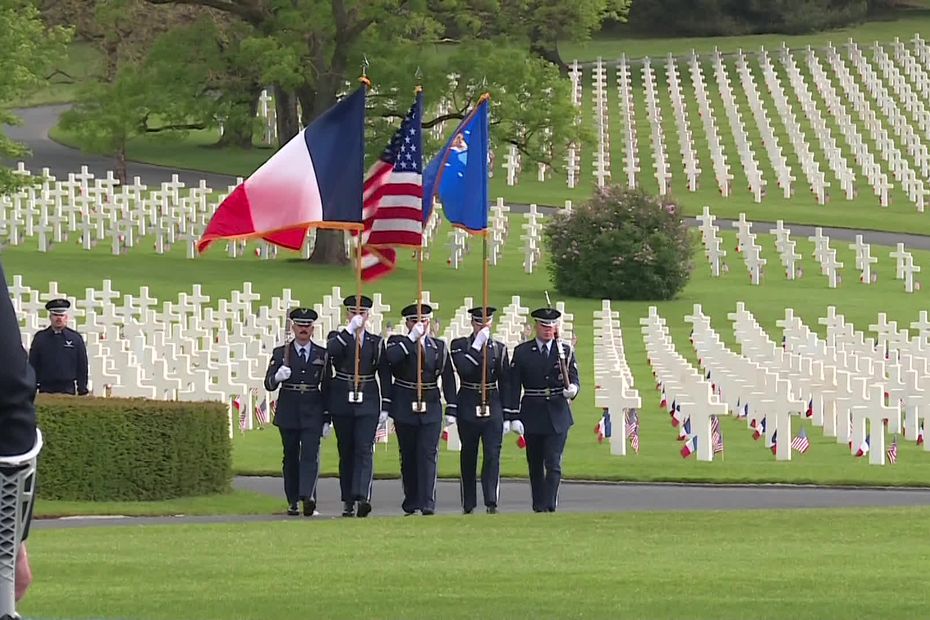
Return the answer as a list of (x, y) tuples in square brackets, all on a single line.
[(761, 564), (744, 460), (234, 502)]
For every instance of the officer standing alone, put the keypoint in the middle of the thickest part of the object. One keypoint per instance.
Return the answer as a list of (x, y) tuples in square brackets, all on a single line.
[(418, 423), (544, 414), (298, 369), (356, 409), (479, 413), (58, 355)]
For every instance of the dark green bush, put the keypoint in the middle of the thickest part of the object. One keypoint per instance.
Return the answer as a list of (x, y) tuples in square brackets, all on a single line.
[(113, 449), (622, 244)]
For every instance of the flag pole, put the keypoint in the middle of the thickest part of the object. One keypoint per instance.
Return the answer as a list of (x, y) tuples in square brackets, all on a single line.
[(358, 304), (419, 320), (483, 411)]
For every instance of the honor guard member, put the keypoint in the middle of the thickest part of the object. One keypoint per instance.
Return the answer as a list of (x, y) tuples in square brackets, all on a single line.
[(298, 369), (356, 410), (58, 354), (480, 420), (418, 424), (544, 414)]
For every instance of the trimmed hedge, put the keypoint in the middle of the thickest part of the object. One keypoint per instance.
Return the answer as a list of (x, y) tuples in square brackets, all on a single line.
[(114, 449)]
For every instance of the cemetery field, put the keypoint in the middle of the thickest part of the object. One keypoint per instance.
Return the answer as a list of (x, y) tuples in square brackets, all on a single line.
[(744, 460), (727, 564)]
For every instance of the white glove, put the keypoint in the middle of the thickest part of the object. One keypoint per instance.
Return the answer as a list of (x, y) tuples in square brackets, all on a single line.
[(382, 417), (450, 420), (516, 426), (417, 332), (570, 392), (506, 426), (355, 324), (283, 374), (327, 430), (480, 338)]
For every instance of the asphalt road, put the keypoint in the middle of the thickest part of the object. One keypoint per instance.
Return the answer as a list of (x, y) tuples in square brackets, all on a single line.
[(576, 497)]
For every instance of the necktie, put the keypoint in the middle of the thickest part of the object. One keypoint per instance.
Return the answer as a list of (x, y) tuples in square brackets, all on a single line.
[(544, 350), (303, 355)]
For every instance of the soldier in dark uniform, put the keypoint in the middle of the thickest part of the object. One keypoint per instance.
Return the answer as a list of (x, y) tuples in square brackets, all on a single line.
[(356, 412), (418, 431), (298, 369), (58, 354), (544, 415), (476, 424)]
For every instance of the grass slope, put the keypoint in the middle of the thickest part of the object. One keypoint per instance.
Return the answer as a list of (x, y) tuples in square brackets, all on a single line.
[(651, 565), (232, 503), (744, 460)]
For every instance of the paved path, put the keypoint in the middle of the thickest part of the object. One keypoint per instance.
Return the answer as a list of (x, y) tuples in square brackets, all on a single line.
[(61, 160), (577, 497)]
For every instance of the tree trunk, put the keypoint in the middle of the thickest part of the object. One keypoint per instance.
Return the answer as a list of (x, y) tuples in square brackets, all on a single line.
[(549, 52), (239, 125), (329, 248), (285, 104), (122, 171)]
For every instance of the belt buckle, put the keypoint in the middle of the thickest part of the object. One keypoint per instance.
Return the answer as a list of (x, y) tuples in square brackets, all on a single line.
[(419, 406), (483, 411), (356, 397)]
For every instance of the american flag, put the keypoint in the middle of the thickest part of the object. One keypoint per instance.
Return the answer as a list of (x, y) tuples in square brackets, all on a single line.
[(801, 443), (392, 211), (716, 435), (632, 429), (381, 434), (893, 451), (261, 412), (243, 414)]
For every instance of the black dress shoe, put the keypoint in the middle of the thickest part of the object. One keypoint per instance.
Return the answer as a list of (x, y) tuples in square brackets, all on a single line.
[(492, 510), (364, 508), (292, 510), (409, 513), (348, 509), (427, 513), (467, 511), (309, 507)]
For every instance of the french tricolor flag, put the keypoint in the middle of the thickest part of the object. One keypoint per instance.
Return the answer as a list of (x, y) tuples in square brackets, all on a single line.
[(863, 447), (313, 181), (689, 447)]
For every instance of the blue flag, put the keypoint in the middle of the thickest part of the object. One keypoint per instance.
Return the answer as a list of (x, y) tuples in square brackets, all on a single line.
[(458, 175)]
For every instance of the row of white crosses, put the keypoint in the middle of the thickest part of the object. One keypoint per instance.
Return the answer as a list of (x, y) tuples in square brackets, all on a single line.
[(532, 239), (689, 159), (751, 251), (753, 390), (601, 124), (860, 150), (907, 365), (842, 378), (572, 157), (905, 269), (828, 146), (889, 151), (717, 155), (785, 246), (826, 257), (809, 165), (681, 383), (737, 128), (764, 125), (510, 324), (183, 350), (713, 242), (614, 389), (628, 123), (663, 171)]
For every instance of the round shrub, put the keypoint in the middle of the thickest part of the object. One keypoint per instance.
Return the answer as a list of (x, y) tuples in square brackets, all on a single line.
[(622, 244), (115, 449)]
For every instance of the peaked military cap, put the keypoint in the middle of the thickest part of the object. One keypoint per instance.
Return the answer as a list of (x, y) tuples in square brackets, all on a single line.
[(303, 316), (410, 312), (477, 314), (364, 302), (58, 306), (546, 316)]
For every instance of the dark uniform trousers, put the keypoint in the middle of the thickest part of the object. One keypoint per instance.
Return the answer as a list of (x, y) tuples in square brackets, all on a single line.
[(300, 415), (546, 416), (418, 433), (60, 361), (355, 423), (489, 432)]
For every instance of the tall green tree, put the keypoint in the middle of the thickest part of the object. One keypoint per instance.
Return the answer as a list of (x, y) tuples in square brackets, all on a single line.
[(28, 49)]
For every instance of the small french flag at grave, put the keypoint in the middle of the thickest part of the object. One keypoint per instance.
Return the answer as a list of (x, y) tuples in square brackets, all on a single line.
[(774, 445), (863, 447), (810, 408), (689, 447)]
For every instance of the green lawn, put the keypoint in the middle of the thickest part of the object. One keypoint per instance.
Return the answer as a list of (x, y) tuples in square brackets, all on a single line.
[(73, 70), (745, 460), (738, 564), (903, 23), (235, 502)]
